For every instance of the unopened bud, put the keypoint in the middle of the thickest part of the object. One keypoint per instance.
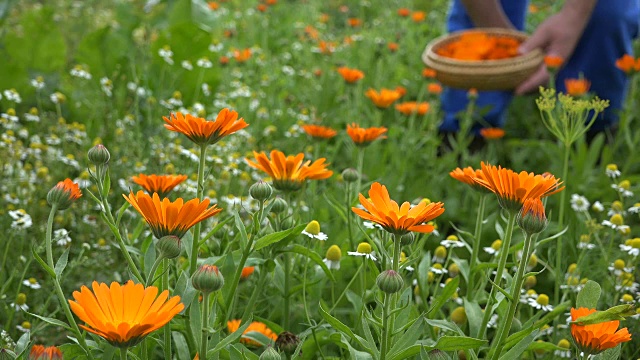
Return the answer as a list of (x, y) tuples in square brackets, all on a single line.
[(350, 175), (260, 191), (270, 354), (64, 194), (390, 281), (207, 279), (279, 205), (287, 342), (531, 218), (169, 247), (407, 238), (99, 155)]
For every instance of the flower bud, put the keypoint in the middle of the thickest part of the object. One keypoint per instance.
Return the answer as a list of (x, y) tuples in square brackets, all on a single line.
[(350, 175), (437, 355), (287, 223), (407, 238), (99, 155), (260, 191), (454, 270), (532, 219), (64, 194), (279, 205), (270, 354), (207, 279), (530, 281), (169, 247), (287, 342), (390, 281)]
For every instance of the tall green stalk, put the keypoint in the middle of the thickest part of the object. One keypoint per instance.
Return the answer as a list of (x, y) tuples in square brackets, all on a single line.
[(563, 200), (167, 327), (505, 325), (204, 340), (390, 301), (287, 290), (476, 246), (502, 261), (196, 228)]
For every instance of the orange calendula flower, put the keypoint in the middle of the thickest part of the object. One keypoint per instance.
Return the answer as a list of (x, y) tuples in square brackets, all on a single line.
[(247, 271), (161, 184), (513, 189), (65, 193), (170, 218), (393, 47), (595, 338), (289, 172), (362, 136), (492, 133), (319, 132), (242, 55), (532, 218), (350, 75), (354, 22), (467, 175), (628, 64), (39, 352), (412, 107), (326, 47), (205, 132), (553, 62), (434, 88), (256, 326), (577, 87), (261, 7), (213, 5), (418, 16), (124, 314), (428, 73), (404, 12), (477, 45), (396, 219), (384, 98)]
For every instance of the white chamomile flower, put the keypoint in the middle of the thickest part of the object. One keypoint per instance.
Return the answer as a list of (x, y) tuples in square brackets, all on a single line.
[(24, 327), (619, 266), (494, 249), (20, 303), (528, 296), (21, 220), (579, 203), (186, 64), (437, 268), (597, 206), (332, 258), (635, 209), (313, 231), (541, 302), (61, 237), (612, 171), (364, 249), (31, 283), (452, 241)]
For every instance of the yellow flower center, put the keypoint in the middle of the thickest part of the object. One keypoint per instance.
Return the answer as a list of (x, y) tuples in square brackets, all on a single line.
[(619, 264), (431, 277), (403, 256), (313, 227), (452, 238), (11, 112), (454, 269), (530, 281), (496, 245), (612, 167), (625, 184), (531, 292), (543, 300), (573, 281), (441, 252), (364, 248), (437, 266), (617, 219), (635, 243), (26, 325), (334, 253), (21, 299), (33, 281), (616, 206), (627, 298), (564, 343), (584, 238), (533, 261)]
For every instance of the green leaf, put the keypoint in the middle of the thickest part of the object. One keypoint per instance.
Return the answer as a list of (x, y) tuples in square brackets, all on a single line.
[(520, 347), (339, 326), (195, 322), (609, 354), (615, 313), (181, 348), (243, 230), (474, 316), (455, 343), (270, 324), (278, 236), (371, 343), (231, 338), (408, 338), (589, 295), (121, 211), (354, 354), (257, 337), (44, 265), (73, 351), (299, 249), (215, 229), (106, 184), (62, 263), (22, 343), (447, 293), (51, 321)]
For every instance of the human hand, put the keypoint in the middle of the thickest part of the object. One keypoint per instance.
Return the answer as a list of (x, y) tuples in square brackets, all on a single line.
[(556, 36)]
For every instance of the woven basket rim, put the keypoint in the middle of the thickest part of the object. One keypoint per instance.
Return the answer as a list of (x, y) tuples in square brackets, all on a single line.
[(429, 51)]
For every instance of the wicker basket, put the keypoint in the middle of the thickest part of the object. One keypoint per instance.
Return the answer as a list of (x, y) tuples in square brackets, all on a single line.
[(502, 74)]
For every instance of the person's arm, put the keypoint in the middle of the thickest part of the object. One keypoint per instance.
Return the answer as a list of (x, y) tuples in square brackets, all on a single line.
[(558, 36), (487, 13)]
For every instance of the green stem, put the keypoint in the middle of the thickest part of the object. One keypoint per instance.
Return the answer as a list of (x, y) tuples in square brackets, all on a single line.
[(384, 335), (476, 247), (393, 297), (254, 296), (196, 228), (287, 285), (516, 285), (48, 235), (123, 353), (502, 261), (167, 328), (349, 216), (236, 279), (563, 197), (359, 168), (204, 340), (355, 276), (152, 273), (306, 308)]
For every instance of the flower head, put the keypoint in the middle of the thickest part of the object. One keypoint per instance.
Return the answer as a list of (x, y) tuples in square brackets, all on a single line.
[(577, 87), (412, 107), (261, 328), (64, 194), (349, 75), (170, 218), (397, 219), (628, 64), (124, 314), (365, 136), (319, 132), (289, 172), (513, 189), (332, 258), (39, 352), (492, 133), (467, 175), (161, 184), (384, 98), (553, 62), (596, 338), (205, 132)]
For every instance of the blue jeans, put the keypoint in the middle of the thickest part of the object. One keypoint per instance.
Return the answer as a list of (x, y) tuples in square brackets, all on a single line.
[(608, 35)]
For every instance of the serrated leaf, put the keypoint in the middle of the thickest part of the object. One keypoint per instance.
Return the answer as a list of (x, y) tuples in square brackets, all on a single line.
[(408, 338), (181, 348), (589, 295), (278, 236)]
